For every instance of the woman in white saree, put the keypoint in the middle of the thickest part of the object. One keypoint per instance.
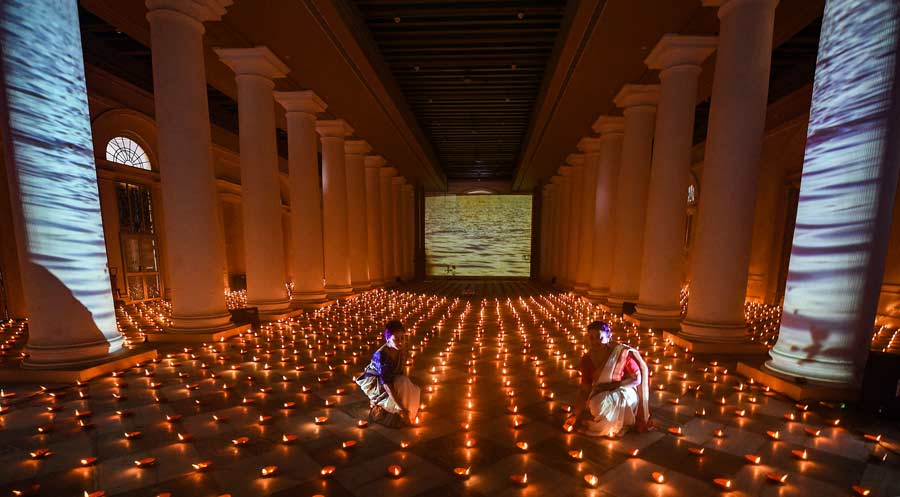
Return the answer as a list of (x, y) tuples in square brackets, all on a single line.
[(393, 398), (614, 387)]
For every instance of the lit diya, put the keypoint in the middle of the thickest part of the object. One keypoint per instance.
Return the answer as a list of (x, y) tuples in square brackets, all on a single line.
[(395, 470), (348, 444), (146, 462), (88, 461), (288, 438), (326, 471), (858, 490), (577, 455), (777, 478), (268, 471), (753, 458), (519, 479), (723, 482), (658, 477), (461, 473), (202, 465), (523, 446), (591, 480)]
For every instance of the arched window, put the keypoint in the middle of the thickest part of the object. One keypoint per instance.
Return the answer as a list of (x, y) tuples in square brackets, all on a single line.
[(125, 151)]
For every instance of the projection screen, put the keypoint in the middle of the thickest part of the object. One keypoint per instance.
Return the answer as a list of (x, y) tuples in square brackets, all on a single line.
[(478, 235)]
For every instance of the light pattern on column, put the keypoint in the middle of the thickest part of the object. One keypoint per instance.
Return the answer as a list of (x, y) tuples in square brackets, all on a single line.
[(301, 108), (611, 134), (847, 195), (388, 211), (260, 190), (358, 235), (721, 252), (196, 243), (53, 186), (334, 207), (678, 59), (639, 104), (373, 219), (590, 147)]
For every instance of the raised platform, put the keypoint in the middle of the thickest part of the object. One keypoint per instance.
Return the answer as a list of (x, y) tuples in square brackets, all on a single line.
[(796, 389), (14, 373), (214, 336), (280, 316), (698, 347), (657, 323), (312, 305)]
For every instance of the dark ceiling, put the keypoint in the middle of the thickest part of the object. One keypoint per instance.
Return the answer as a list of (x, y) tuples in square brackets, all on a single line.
[(470, 70)]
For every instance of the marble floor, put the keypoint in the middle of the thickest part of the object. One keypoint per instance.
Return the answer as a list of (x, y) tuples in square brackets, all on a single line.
[(497, 369)]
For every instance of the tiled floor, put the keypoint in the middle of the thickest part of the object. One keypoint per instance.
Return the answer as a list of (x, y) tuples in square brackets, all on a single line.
[(511, 331)]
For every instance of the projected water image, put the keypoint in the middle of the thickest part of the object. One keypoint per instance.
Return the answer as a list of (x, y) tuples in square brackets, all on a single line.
[(478, 235)]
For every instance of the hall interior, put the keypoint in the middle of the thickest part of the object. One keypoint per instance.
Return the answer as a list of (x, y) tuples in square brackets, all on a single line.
[(210, 209)]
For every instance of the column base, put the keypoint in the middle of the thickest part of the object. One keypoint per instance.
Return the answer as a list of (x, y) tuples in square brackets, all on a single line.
[(704, 347), (337, 292), (582, 288), (797, 388), (598, 295), (270, 308), (310, 304), (13, 373), (657, 317), (361, 286), (76, 355), (279, 315), (615, 303), (174, 335)]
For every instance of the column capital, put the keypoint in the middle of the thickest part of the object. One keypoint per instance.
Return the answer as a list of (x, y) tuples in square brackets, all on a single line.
[(300, 101), (398, 180), (606, 125), (387, 172), (198, 10), (566, 171), (725, 6), (637, 96), (259, 61), (575, 160), (357, 147), (590, 145), (337, 128), (407, 187), (375, 161), (678, 50), (555, 180)]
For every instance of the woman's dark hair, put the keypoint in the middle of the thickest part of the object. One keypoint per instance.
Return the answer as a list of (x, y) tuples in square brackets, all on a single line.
[(599, 327), (392, 328)]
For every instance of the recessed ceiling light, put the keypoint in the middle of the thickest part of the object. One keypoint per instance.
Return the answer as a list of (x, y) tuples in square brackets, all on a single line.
[(520, 15), (397, 20)]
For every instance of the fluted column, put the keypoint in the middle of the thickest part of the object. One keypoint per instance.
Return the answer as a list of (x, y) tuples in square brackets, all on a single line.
[(611, 131), (301, 108), (196, 243), (334, 207), (408, 231), (678, 58), (373, 219), (397, 183), (576, 177), (357, 221), (388, 211), (590, 147), (255, 68), (721, 251), (54, 197), (639, 104), (565, 206)]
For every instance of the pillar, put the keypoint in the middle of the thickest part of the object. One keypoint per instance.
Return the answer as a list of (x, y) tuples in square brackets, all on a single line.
[(639, 106), (196, 246), (300, 109), (576, 177), (373, 219), (255, 68), (408, 232), (590, 148), (53, 187), (544, 271), (357, 221), (555, 229), (397, 183), (847, 196), (387, 223), (334, 207), (565, 206), (611, 131), (678, 58), (721, 251)]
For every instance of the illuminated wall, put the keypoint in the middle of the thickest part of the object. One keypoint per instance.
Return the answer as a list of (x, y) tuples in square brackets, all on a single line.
[(478, 235), (846, 196), (52, 178)]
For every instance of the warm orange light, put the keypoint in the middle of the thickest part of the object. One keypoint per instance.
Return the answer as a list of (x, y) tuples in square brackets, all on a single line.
[(519, 479), (676, 430), (394, 470), (320, 420), (591, 480), (89, 461), (522, 446), (800, 454), (288, 438), (470, 442), (145, 462), (268, 471), (461, 473), (240, 441), (576, 454), (326, 471), (697, 451), (202, 465), (778, 478), (722, 482), (861, 490), (658, 477), (753, 458), (774, 435), (348, 444)]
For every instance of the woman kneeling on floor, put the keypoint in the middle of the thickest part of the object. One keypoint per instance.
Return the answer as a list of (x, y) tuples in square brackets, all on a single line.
[(393, 398), (615, 386)]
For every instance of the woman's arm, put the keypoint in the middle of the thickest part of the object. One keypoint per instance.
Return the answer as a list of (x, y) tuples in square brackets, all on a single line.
[(584, 391)]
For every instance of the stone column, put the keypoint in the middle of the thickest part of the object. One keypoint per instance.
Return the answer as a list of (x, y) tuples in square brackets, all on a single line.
[(556, 228), (590, 147), (545, 239), (408, 231), (387, 223), (260, 192), (54, 197), (373, 219), (576, 177), (847, 205), (565, 206), (678, 58), (721, 251), (639, 104), (196, 246), (357, 220), (334, 207), (306, 196), (397, 183), (611, 131)]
